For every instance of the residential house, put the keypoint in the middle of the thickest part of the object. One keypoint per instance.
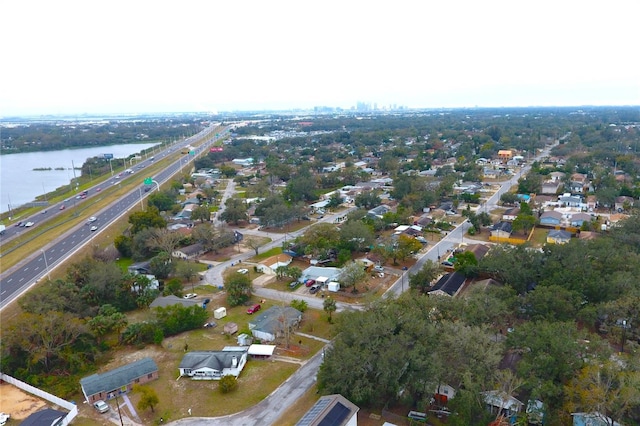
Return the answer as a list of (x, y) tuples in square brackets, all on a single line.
[(443, 393), (579, 218), (274, 322), (213, 365), (505, 155), (189, 252), (491, 173), (567, 200), (479, 250), (578, 183), (313, 272), (592, 419), (448, 285), (499, 403), (269, 265), (120, 380), (140, 268), (244, 162), (592, 202), (334, 410), (510, 214), (502, 230), (551, 218), (623, 203), (556, 176), (379, 212), (194, 201), (558, 236)]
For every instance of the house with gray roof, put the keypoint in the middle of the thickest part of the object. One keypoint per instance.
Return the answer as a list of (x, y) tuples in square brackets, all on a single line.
[(272, 323), (213, 365), (379, 212), (551, 218), (189, 252), (120, 380), (558, 236)]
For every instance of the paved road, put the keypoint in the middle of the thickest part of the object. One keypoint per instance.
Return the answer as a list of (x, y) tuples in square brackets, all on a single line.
[(18, 279)]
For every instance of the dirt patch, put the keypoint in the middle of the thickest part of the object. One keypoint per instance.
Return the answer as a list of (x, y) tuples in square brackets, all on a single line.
[(18, 403)]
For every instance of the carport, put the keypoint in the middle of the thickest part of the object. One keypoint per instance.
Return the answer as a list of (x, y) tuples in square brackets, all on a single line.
[(322, 281)]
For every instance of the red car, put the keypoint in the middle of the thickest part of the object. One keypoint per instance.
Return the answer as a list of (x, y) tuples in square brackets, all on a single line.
[(309, 283), (253, 309)]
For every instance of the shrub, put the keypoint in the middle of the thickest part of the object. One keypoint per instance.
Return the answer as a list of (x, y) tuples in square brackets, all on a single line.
[(227, 383)]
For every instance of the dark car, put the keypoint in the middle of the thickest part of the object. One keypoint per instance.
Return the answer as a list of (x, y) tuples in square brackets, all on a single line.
[(294, 285), (314, 288), (253, 309)]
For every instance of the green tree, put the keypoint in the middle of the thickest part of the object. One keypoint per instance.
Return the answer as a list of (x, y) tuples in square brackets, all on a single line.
[(187, 271), (201, 213), (148, 397), (406, 246), (509, 198), (123, 245), (163, 201), (300, 305), (422, 279), (466, 263), (238, 288), (235, 211), (108, 320), (329, 305), (161, 265), (227, 383), (352, 273), (356, 236), (149, 218)]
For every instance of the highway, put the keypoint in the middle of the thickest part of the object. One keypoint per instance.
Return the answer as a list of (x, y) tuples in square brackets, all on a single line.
[(18, 279)]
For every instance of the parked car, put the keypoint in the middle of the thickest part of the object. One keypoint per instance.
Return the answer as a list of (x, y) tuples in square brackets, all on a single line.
[(190, 296), (243, 271), (309, 283), (314, 288), (101, 406), (254, 309), (294, 285), (378, 268)]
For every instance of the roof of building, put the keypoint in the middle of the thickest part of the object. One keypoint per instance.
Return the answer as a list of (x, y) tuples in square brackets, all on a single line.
[(215, 360), (117, 378), (449, 283), (262, 350), (478, 250), (46, 417), (551, 213), (559, 234), (270, 319), (329, 410), (503, 226)]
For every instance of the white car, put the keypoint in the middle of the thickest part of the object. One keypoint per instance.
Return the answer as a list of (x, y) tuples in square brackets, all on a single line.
[(92, 219), (101, 406), (94, 228), (28, 224), (190, 296), (243, 271)]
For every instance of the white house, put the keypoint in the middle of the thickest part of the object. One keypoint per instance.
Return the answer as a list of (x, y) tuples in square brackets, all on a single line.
[(212, 365), (244, 162), (269, 265)]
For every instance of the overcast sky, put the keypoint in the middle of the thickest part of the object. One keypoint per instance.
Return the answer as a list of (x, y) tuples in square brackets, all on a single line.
[(73, 57)]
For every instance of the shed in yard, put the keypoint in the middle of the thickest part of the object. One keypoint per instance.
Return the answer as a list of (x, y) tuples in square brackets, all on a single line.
[(333, 286), (230, 328), (220, 313)]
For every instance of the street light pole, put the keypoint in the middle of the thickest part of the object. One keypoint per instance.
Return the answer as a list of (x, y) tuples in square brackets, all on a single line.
[(46, 265), (624, 328)]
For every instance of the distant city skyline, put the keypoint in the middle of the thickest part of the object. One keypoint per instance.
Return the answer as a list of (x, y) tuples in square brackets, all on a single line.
[(73, 57)]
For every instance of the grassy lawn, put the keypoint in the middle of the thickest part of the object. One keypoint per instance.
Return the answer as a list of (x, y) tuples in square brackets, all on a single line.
[(257, 380)]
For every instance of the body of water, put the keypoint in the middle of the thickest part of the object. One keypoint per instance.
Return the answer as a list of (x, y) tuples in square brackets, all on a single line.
[(21, 184)]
